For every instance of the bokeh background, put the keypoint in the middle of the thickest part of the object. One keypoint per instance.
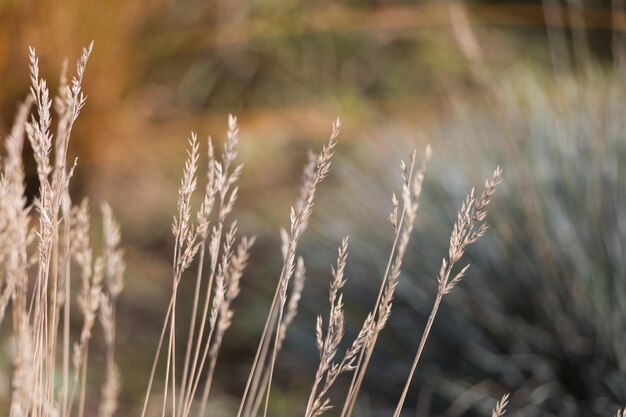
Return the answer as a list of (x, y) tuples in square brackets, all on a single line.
[(536, 87)]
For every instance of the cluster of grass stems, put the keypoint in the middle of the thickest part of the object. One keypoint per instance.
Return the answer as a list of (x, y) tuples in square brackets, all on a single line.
[(39, 242)]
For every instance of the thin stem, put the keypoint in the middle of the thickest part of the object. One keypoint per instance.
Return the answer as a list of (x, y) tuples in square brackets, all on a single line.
[(156, 357), (207, 386), (83, 384), (196, 380), (173, 349), (192, 325), (167, 370), (255, 363), (259, 390), (188, 398), (273, 360), (66, 319), (312, 396), (52, 331), (429, 325)]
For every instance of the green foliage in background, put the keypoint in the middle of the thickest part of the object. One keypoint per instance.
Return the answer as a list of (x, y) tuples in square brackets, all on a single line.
[(543, 311)]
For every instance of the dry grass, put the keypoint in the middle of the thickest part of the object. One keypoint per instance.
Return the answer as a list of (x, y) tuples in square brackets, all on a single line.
[(500, 407), (38, 244)]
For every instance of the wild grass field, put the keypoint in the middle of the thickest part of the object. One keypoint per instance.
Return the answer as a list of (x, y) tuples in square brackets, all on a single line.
[(451, 245)]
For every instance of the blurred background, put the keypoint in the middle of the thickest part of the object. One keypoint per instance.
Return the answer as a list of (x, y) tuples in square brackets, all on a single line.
[(536, 87)]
